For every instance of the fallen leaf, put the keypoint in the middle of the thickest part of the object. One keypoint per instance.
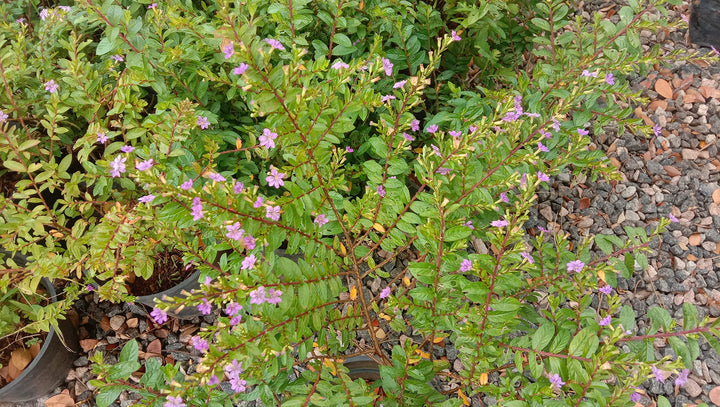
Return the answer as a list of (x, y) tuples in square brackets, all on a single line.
[(154, 348), (353, 293), (117, 322), (380, 334), (105, 323), (710, 92), (88, 344), (716, 196), (658, 103), (693, 96), (692, 257), (20, 358), (639, 113), (695, 239), (715, 395), (35, 349), (663, 88), (672, 171), (60, 400), (463, 397), (584, 203), (132, 322), (483, 379), (380, 228)]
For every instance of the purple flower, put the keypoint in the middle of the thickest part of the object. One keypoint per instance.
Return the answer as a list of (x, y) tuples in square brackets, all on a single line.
[(229, 50), (152, 6), (659, 376), (238, 187), (127, 149), (542, 229), (205, 308), (101, 137), (144, 165), (408, 137), (51, 86), (146, 199), (606, 289), (275, 44), (258, 202), (673, 219), (470, 225), (216, 177), (499, 223), (523, 180), (213, 380), (532, 114), (545, 133), (399, 85), (527, 256), (117, 58), (275, 178), (466, 265), (4, 116), (234, 231), (517, 101), (267, 139), (387, 97), (443, 171), (171, 401), (576, 266), (381, 191), (90, 288), (635, 397), (432, 128), (249, 262), (234, 369), (349, 149), (472, 129), (44, 13), (237, 384), (186, 185), (542, 147), (203, 122), (340, 65), (587, 73), (454, 36), (197, 209), (583, 132), (556, 124), (657, 130), (504, 197), (455, 133), (240, 69), (387, 66), (257, 296), (542, 176), (273, 213), (415, 125), (275, 296), (321, 219), (117, 166), (605, 321), (682, 377), (556, 381), (610, 79), (159, 315), (385, 293), (436, 150), (200, 344), (233, 308)]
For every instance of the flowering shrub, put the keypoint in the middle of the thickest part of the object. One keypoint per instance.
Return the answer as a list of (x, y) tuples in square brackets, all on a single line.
[(293, 155)]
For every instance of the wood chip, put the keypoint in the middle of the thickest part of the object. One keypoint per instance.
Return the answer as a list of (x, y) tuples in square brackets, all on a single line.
[(105, 323), (584, 203), (117, 322), (663, 88), (695, 239), (672, 171), (716, 196), (132, 323)]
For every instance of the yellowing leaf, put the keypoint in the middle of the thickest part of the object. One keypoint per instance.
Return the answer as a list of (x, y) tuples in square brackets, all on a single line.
[(406, 281), (463, 397), (353, 293), (380, 228), (238, 143), (601, 275), (328, 363), (343, 249), (384, 316), (438, 339), (483, 378), (422, 354)]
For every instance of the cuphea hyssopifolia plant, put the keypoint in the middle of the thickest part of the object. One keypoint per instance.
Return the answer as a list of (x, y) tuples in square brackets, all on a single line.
[(517, 308)]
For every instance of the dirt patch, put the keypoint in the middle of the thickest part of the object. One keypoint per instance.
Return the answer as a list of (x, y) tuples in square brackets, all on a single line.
[(168, 271)]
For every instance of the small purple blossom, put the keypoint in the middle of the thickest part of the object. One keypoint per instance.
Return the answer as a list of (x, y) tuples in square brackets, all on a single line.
[(51, 86), (673, 219), (216, 177), (90, 288), (197, 209), (117, 58), (267, 139), (657, 130), (349, 149), (152, 6), (499, 223), (517, 102), (399, 85), (436, 150), (606, 289), (205, 308), (659, 376), (234, 369), (635, 397), (144, 165), (682, 377), (321, 219), (159, 315), (339, 65), (556, 124), (275, 296), (248, 263), (583, 132), (455, 36), (117, 166), (443, 171), (147, 198), (237, 384), (466, 265), (258, 295), (408, 137), (387, 97), (605, 321), (504, 197), (472, 129), (200, 344), (213, 380), (587, 73), (240, 69), (171, 400), (542, 147), (610, 79), (127, 149), (203, 122), (556, 381), (385, 293), (381, 191), (233, 308), (542, 176), (576, 266), (275, 178), (272, 213), (542, 229), (523, 180), (432, 128), (186, 185), (101, 137), (229, 50), (387, 66), (258, 202), (238, 187), (527, 256), (455, 133), (470, 225), (4, 116), (545, 133), (44, 13), (415, 125), (275, 44)]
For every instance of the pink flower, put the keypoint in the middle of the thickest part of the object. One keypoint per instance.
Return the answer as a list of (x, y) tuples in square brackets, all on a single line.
[(610, 79), (197, 209), (542, 147), (237, 384), (233, 308), (659, 376), (238, 187), (213, 380), (349, 149), (51, 86), (399, 85), (415, 125), (267, 139), (203, 122), (340, 65), (101, 137), (466, 265), (432, 128), (499, 223), (454, 36), (248, 263), (576, 266), (443, 171), (470, 225), (146, 198), (229, 50), (472, 129), (523, 180), (273, 213), (542, 229), (583, 132), (455, 133), (587, 73), (385, 293), (387, 66), (657, 130), (205, 308), (127, 149), (240, 69), (527, 256), (144, 165), (152, 6), (321, 219), (275, 178), (200, 344), (275, 44), (545, 133), (436, 150), (117, 166), (605, 321), (234, 369), (556, 124), (159, 315), (635, 397), (606, 289), (4, 116), (186, 185), (216, 177), (381, 191)]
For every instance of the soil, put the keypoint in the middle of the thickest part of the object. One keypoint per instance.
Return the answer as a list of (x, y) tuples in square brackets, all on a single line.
[(168, 271), (7, 183)]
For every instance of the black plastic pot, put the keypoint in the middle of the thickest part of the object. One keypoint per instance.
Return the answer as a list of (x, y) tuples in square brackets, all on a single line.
[(705, 23), (188, 285), (50, 366)]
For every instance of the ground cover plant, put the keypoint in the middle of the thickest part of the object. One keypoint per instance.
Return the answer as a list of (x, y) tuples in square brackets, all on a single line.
[(346, 134)]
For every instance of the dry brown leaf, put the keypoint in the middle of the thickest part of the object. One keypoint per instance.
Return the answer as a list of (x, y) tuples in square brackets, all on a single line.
[(116, 322), (715, 395), (693, 96), (60, 400), (584, 203), (132, 322), (672, 171), (663, 88), (716, 196), (35, 349), (105, 323), (88, 344), (710, 92), (20, 358), (658, 103), (155, 347), (639, 113), (695, 239)]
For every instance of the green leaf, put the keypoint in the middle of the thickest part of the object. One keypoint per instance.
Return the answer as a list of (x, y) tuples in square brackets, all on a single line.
[(123, 370), (104, 46), (663, 402), (543, 335), (342, 39), (681, 350), (129, 352), (627, 318), (629, 264), (660, 317), (690, 316), (457, 233), (108, 395)]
